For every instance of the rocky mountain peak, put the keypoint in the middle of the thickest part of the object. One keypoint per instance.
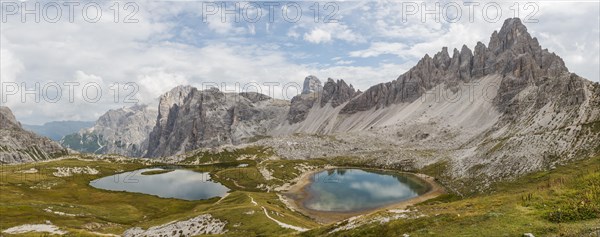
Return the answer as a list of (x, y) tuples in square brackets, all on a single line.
[(512, 33), (444, 52), (337, 92), (7, 119), (442, 58), (116, 117), (174, 97), (178, 93), (334, 92), (465, 52), (311, 84)]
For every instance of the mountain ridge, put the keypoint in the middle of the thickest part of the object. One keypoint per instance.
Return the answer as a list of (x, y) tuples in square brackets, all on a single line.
[(20, 145)]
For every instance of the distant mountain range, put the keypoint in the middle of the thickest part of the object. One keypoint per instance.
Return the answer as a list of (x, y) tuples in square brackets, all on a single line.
[(121, 131), (58, 129)]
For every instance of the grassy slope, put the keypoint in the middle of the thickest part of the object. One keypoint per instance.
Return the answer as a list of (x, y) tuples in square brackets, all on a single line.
[(114, 212), (529, 204), (526, 205)]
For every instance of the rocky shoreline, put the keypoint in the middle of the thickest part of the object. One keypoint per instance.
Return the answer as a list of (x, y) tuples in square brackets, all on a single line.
[(295, 195)]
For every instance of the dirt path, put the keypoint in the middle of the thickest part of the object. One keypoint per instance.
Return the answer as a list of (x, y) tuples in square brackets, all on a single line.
[(284, 225)]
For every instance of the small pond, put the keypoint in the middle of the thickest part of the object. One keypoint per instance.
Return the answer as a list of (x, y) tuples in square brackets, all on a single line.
[(178, 183), (349, 190)]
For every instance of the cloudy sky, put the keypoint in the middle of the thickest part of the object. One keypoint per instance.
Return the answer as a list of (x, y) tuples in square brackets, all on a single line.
[(156, 45)]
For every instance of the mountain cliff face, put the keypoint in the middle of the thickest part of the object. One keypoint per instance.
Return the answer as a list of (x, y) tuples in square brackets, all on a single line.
[(301, 104), (121, 131), (18, 145), (337, 93), (333, 93), (311, 84), (189, 119)]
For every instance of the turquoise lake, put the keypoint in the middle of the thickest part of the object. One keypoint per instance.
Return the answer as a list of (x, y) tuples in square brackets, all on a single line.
[(347, 190)]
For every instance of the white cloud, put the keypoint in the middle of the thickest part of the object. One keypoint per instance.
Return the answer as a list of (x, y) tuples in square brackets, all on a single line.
[(575, 39), (318, 36), (292, 33), (344, 62), (154, 81), (379, 48), (327, 32), (225, 27), (10, 66), (251, 29)]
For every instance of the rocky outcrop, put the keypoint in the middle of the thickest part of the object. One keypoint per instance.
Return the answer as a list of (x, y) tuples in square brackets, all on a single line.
[(300, 106), (333, 92), (204, 224), (19, 146), (189, 119), (121, 131), (336, 93), (311, 84), (171, 100)]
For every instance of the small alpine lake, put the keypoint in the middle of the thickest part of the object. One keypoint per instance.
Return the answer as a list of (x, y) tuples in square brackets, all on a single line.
[(165, 183), (356, 190)]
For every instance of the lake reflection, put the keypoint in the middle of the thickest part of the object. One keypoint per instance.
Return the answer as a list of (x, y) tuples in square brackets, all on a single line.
[(345, 190), (179, 183)]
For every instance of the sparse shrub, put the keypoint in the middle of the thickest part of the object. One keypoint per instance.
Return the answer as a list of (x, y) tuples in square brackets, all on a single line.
[(584, 204), (575, 212)]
